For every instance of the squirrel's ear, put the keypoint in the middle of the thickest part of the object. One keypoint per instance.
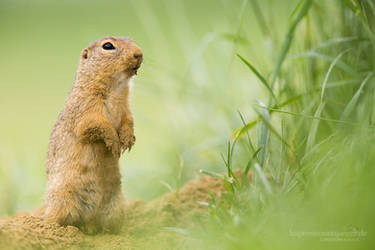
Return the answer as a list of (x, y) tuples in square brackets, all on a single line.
[(84, 53)]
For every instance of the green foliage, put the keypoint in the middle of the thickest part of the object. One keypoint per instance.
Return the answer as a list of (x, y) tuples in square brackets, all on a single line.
[(318, 191)]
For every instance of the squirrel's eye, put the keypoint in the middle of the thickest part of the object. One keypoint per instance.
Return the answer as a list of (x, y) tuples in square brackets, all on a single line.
[(108, 46)]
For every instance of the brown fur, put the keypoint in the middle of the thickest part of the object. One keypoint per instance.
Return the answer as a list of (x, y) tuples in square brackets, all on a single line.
[(95, 126)]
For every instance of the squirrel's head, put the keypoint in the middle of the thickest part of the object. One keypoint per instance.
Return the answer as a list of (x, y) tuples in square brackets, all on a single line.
[(111, 56)]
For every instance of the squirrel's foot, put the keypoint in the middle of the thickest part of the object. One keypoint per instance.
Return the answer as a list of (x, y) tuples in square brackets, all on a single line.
[(127, 140), (113, 146)]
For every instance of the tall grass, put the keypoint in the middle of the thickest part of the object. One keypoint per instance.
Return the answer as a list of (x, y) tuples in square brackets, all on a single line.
[(313, 140)]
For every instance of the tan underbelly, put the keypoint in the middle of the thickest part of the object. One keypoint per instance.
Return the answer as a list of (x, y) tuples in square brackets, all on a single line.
[(114, 112)]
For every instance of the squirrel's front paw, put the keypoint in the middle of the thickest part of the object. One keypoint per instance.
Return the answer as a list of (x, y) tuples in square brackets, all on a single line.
[(113, 146), (127, 140)]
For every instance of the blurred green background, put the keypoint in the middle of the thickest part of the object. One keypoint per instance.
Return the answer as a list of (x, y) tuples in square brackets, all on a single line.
[(315, 139), (184, 100)]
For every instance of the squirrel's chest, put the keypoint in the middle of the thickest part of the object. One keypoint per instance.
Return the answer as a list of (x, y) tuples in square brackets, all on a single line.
[(117, 104)]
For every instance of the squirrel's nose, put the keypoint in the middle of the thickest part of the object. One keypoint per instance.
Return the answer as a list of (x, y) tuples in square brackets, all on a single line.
[(135, 56), (138, 56)]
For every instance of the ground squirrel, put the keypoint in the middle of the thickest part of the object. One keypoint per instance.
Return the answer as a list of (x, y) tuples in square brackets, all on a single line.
[(95, 126)]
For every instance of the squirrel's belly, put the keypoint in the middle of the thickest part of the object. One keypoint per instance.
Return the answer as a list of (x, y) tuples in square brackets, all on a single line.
[(97, 161), (116, 105), (114, 114), (89, 176), (82, 158), (95, 155)]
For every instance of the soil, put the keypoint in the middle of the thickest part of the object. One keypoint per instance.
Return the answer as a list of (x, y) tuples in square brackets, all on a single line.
[(146, 225)]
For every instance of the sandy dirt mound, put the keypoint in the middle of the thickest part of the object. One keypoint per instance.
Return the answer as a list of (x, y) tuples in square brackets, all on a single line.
[(144, 227)]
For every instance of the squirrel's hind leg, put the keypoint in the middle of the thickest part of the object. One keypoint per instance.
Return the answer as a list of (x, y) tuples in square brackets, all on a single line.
[(67, 206), (112, 213)]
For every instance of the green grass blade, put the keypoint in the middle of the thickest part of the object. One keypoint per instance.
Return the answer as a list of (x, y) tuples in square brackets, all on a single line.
[(260, 77), (239, 132), (166, 184), (335, 41), (349, 108), (178, 230), (229, 160), (210, 173), (251, 146), (265, 124), (246, 128), (319, 118), (334, 62), (238, 33), (263, 178), (348, 69), (295, 11), (288, 39), (254, 156), (261, 19), (314, 127)]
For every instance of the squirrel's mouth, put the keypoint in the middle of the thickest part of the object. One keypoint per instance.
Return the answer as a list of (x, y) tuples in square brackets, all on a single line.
[(135, 70), (132, 69)]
